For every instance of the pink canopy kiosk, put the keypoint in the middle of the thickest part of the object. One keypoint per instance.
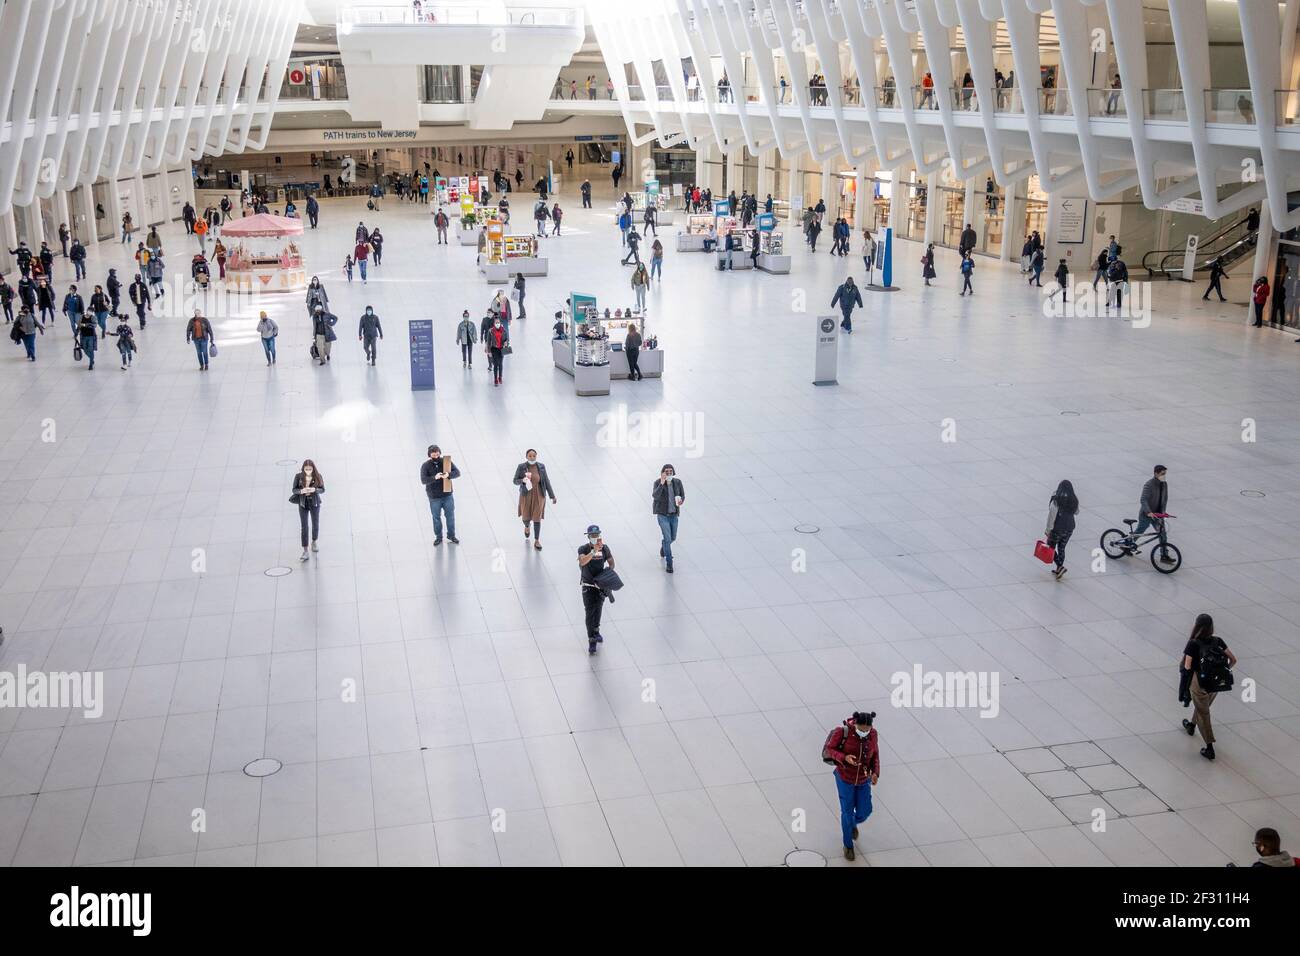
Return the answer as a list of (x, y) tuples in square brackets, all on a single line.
[(261, 254)]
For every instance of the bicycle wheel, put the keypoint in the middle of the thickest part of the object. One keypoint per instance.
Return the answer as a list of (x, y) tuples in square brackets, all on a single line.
[(1112, 543), (1166, 567)]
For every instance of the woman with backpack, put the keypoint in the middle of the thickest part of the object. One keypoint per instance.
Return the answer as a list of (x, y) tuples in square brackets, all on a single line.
[(1206, 669), (853, 749), (1061, 510)]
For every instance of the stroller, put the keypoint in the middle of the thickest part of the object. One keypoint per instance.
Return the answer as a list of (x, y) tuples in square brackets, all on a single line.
[(199, 272)]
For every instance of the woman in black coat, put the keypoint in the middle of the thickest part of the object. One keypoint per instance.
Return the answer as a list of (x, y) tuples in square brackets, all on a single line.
[(927, 264), (1060, 523), (308, 486)]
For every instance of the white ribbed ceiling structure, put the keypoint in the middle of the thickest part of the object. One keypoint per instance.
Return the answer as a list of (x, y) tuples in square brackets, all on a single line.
[(110, 88)]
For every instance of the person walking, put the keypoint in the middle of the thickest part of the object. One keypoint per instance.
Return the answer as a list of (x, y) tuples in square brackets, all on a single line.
[(1217, 274), (869, 254), (557, 215), (46, 258), (640, 280), (847, 296), (73, 307), (1259, 296), (85, 337), (219, 253), (1100, 267), (436, 474), (125, 342), (201, 230), (440, 222), (632, 349), (45, 300), (633, 245), (1062, 277), (377, 244), (369, 331), (927, 264), (188, 216), (64, 236), (1204, 671), (198, 330), (138, 293), (853, 749), (650, 219), (666, 497), (114, 287), (586, 193), (316, 295), (128, 227), (313, 210), (967, 269), (1061, 510), (100, 307), (155, 271), (322, 330), (534, 488), (7, 299), (308, 486), (519, 294), (359, 255), (594, 559), (657, 260), (466, 336), (142, 256), (268, 330), (1036, 265), (28, 325), (966, 244), (498, 343), (78, 257)]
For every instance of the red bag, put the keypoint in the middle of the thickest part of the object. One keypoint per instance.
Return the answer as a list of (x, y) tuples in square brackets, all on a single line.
[(1044, 552)]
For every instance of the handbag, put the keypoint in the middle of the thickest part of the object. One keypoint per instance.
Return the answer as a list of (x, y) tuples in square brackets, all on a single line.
[(212, 350), (608, 580), (507, 349), (76, 352), (295, 499), (1044, 552)]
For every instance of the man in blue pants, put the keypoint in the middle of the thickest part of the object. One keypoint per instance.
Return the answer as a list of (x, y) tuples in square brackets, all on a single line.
[(854, 751)]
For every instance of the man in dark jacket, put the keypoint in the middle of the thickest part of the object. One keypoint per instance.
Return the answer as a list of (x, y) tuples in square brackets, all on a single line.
[(73, 306), (198, 331), (23, 256), (45, 300), (846, 297), (1062, 277), (968, 240), (78, 256), (1217, 272), (47, 261), (633, 242), (368, 330), (189, 217), (1116, 276), (114, 287), (139, 295), (854, 750), (586, 194), (1154, 501), (666, 499), (313, 210), (437, 485)]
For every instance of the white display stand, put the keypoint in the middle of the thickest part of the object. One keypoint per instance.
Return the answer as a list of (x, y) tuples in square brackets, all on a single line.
[(662, 218), (686, 242), (649, 361), (777, 265), (562, 355), (469, 237), (739, 260), (591, 379), (499, 273)]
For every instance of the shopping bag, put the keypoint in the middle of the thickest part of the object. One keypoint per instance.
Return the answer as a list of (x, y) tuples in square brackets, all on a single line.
[(212, 350), (1044, 552)]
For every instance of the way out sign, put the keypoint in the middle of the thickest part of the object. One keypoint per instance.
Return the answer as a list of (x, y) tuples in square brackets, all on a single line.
[(297, 77), (828, 343)]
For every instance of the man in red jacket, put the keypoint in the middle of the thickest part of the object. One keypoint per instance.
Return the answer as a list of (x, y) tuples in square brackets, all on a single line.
[(854, 751), (361, 253)]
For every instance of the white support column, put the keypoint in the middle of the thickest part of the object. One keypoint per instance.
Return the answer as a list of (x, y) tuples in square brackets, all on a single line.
[(898, 200), (861, 199), (83, 213), (32, 223), (62, 212), (829, 195), (1265, 260), (140, 215), (798, 201), (764, 187), (9, 234), (734, 171), (701, 171), (933, 207), (973, 210), (115, 210), (1012, 241)]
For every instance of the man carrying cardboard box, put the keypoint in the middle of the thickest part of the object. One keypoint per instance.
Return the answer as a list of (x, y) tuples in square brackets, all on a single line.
[(436, 475)]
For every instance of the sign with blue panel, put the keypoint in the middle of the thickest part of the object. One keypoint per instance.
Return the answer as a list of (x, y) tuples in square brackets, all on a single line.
[(421, 338), (766, 221)]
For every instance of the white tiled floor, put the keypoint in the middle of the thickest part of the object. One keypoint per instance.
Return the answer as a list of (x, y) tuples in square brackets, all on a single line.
[(482, 733)]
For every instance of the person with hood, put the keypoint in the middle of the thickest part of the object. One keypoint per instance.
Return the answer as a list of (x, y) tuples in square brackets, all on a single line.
[(84, 333), (322, 330), (1036, 265), (316, 295), (1259, 296), (440, 222), (28, 326), (1204, 671), (138, 293), (268, 330), (78, 256), (73, 307), (313, 209), (99, 306), (498, 342), (198, 330), (534, 489), (377, 244), (1061, 509), (1269, 847), (27, 292), (853, 749), (846, 297), (7, 300), (368, 332), (362, 233), (125, 342), (466, 336), (1217, 274), (1116, 277), (45, 298), (114, 287)]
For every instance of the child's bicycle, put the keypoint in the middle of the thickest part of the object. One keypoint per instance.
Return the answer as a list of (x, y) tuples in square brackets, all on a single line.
[(1165, 557)]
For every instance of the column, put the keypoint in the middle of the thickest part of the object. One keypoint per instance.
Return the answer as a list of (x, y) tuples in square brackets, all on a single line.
[(63, 215), (701, 171), (764, 161), (8, 240), (140, 214), (933, 207), (898, 200), (830, 195), (115, 209), (862, 199), (32, 221), (798, 202), (1265, 260), (83, 203), (1012, 240), (973, 210), (734, 171)]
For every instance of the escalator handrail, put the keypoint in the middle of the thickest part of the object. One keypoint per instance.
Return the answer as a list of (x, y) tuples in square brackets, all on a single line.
[(1165, 254), (1164, 268)]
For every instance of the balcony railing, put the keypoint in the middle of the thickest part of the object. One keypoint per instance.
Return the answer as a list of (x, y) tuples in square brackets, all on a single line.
[(1288, 107), (430, 14), (331, 85), (886, 97), (925, 97), (1054, 102), (1106, 102), (964, 98), (1165, 105), (1007, 99)]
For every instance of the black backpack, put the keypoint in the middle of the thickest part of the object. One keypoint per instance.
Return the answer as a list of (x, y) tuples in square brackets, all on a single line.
[(1213, 674)]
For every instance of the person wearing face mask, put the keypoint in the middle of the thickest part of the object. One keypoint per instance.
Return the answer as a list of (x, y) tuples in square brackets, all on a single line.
[(316, 295), (323, 333), (534, 489), (466, 336), (853, 749), (308, 486), (666, 497), (1154, 501), (368, 331), (594, 559), (498, 340), (436, 478)]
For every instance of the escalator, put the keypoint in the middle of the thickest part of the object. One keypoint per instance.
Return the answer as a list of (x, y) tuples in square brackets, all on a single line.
[(1228, 245)]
